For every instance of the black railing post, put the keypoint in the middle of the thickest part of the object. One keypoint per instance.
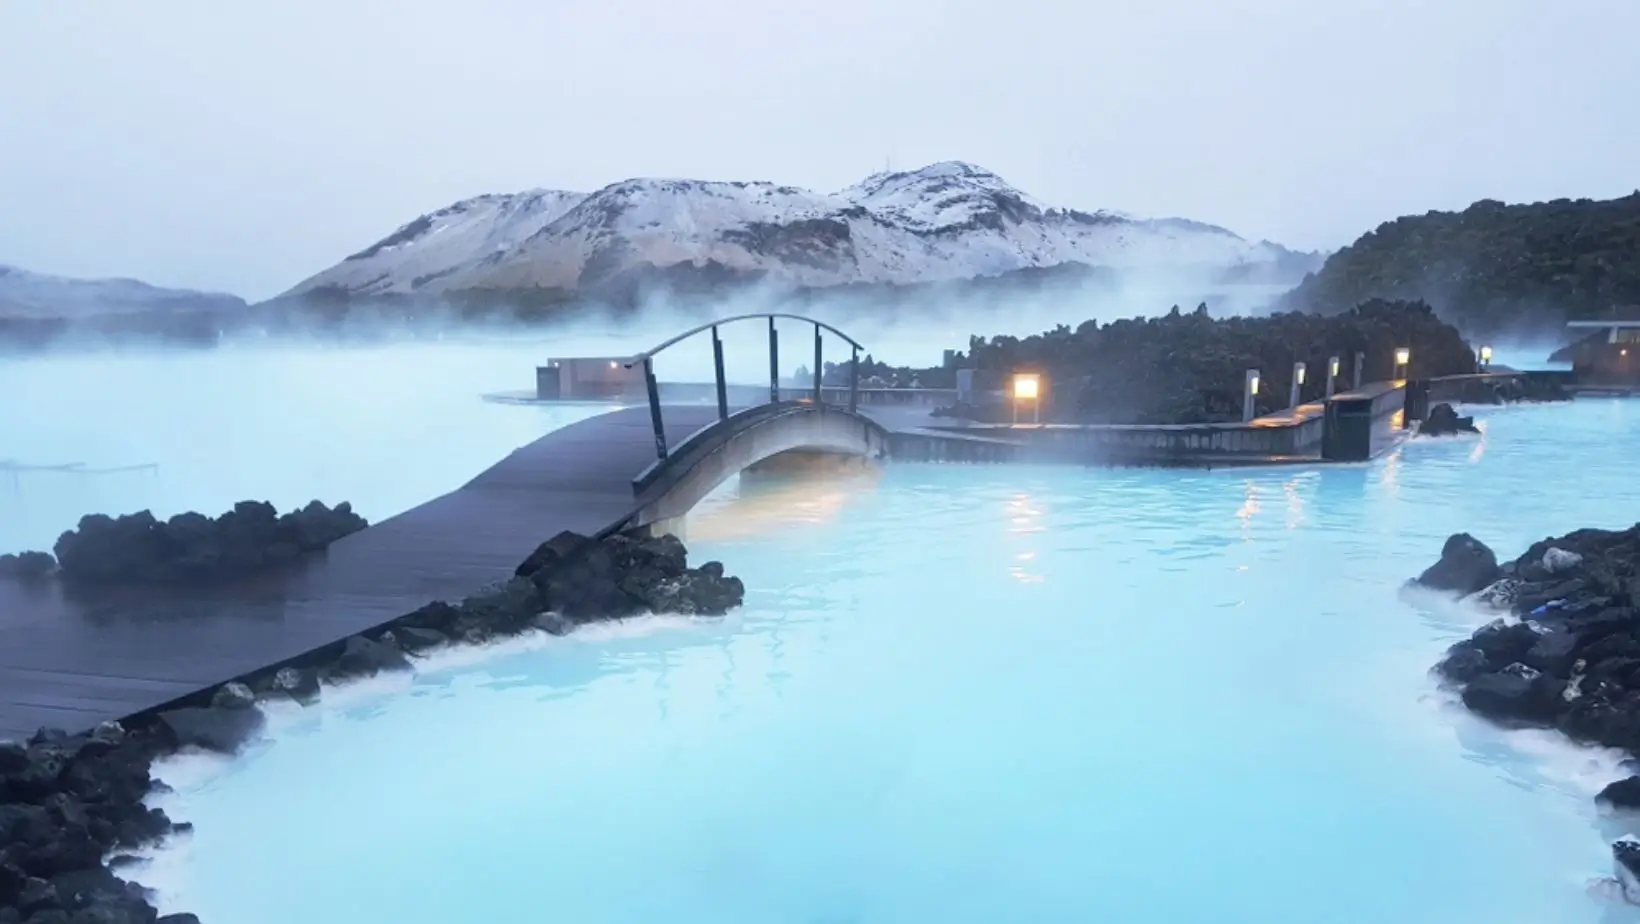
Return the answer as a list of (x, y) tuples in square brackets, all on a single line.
[(774, 363), (654, 389), (819, 399), (722, 385), (854, 380)]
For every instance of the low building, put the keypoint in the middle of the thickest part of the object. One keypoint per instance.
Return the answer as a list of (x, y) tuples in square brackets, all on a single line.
[(1607, 351), (589, 378)]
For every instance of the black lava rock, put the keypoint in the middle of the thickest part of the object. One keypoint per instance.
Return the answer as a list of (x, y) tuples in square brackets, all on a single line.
[(361, 657), (221, 730), (415, 638), (1624, 793), (191, 548), (1463, 663), (1569, 656), (66, 801), (1443, 420), (1466, 566), (1517, 692)]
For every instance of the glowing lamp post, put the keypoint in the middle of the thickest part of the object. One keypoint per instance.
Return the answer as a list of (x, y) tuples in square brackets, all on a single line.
[(1332, 375), (1028, 387), (1486, 357), (1249, 393), (1298, 384), (1403, 361)]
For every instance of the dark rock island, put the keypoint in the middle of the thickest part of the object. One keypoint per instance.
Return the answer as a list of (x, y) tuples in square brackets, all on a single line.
[(1443, 420), (189, 548), (71, 806)]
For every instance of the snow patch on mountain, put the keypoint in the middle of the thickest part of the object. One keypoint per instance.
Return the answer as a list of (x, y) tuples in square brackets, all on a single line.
[(25, 294), (946, 221)]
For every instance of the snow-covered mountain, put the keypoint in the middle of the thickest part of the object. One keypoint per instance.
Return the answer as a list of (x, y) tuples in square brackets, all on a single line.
[(946, 221), (38, 296)]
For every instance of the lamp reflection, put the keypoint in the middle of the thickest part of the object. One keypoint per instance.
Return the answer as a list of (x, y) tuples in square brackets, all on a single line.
[(1024, 521), (1249, 509), (755, 504), (1295, 505)]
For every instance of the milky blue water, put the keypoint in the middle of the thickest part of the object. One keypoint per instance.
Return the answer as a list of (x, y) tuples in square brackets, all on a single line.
[(958, 694)]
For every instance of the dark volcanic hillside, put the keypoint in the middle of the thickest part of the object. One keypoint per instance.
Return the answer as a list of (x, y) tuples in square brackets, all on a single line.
[(1492, 268)]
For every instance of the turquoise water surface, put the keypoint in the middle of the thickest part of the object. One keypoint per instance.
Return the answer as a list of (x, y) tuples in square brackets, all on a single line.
[(962, 694)]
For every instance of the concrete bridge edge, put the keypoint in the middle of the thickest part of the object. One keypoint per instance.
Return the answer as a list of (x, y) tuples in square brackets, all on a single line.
[(827, 432)]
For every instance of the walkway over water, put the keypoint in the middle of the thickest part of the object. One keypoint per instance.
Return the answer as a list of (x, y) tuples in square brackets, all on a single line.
[(73, 662)]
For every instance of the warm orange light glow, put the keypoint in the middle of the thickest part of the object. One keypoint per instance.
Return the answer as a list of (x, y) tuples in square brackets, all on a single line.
[(1403, 355), (1026, 386)]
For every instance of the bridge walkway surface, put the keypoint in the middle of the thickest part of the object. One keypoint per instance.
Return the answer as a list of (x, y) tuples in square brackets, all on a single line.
[(73, 663)]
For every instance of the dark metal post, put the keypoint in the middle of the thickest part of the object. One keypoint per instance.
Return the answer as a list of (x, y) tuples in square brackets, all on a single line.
[(774, 363), (655, 406), (818, 397), (722, 385), (854, 380)]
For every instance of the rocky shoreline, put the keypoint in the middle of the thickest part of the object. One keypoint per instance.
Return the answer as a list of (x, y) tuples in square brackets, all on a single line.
[(1565, 651), (189, 548), (72, 806)]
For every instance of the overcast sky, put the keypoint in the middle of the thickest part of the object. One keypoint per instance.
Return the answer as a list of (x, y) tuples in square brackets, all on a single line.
[(244, 145)]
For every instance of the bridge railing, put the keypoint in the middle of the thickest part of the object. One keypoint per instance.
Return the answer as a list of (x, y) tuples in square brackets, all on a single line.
[(652, 385)]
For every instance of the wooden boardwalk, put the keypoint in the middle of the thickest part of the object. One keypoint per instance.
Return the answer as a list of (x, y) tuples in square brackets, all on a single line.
[(74, 663)]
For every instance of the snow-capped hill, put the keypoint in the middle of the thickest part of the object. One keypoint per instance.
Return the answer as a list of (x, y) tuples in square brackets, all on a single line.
[(946, 221), (446, 241), (24, 294), (946, 196)]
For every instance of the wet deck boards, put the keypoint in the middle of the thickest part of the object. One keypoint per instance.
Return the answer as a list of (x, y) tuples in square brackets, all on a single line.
[(74, 663)]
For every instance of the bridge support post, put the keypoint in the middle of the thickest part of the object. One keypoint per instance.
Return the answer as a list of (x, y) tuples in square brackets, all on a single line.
[(819, 398), (774, 363), (854, 380), (722, 384), (654, 390)]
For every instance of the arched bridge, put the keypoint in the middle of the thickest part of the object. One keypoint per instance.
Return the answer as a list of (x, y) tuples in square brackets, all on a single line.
[(613, 472)]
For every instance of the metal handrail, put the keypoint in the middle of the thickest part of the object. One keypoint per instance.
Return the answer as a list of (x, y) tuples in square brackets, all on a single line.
[(772, 315), (703, 437), (652, 385)]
